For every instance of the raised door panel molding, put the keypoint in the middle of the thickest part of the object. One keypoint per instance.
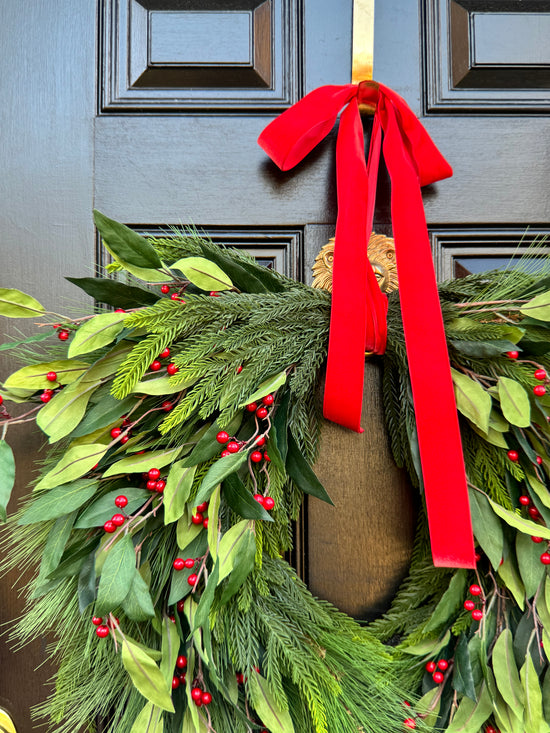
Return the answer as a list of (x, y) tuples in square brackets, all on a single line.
[(487, 56), (199, 55)]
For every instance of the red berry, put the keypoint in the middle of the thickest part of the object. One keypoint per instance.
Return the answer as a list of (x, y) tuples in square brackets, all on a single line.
[(469, 605), (179, 563), (196, 693), (1, 399), (214, 294), (533, 512), (491, 729), (46, 395), (182, 678), (267, 458), (121, 501), (539, 390), (524, 500), (63, 335), (181, 661), (172, 369), (165, 289), (539, 460), (239, 369), (155, 366), (269, 503), (205, 522), (477, 614), (252, 407), (545, 558), (97, 620), (475, 590), (180, 605), (109, 526), (256, 456), (259, 498), (260, 440), (477, 557), (189, 563), (153, 473), (537, 539), (124, 439), (224, 453), (232, 447), (268, 399), (152, 485), (118, 519), (240, 678), (443, 664), (261, 412), (175, 683), (115, 432), (102, 631), (539, 374), (192, 579), (512, 354), (206, 698), (513, 455), (165, 353), (202, 507), (409, 723), (175, 296), (51, 376), (167, 406), (222, 437), (160, 485), (430, 667), (197, 518), (438, 677)]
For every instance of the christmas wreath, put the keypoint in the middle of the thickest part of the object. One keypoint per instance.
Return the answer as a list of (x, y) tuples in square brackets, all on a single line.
[(183, 426)]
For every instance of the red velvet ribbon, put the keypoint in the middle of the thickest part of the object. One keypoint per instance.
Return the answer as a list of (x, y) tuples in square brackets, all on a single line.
[(358, 314)]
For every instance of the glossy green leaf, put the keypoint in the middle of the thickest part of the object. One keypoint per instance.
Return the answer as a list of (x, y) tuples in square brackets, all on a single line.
[(113, 292), (534, 717), (138, 604), (506, 673), (55, 545), (102, 414), (243, 565), (450, 602), (483, 349), (229, 545), (59, 501), (530, 567), (274, 717), (145, 675), (510, 575), (244, 280), (16, 304), (213, 521), (514, 402), (170, 649), (65, 411), (7, 477), (116, 576), (241, 500), (149, 720), (463, 676), (518, 522), (302, 474), (208, 447), (86, 583), (270, 385), (538, 307), (203, 273), (472, 400), (97, 332), (77, 461), (218, 472), (177, 490), (96, 514), (126, 245), (487, 527), (471, 715), (140, 463), (33, 377)]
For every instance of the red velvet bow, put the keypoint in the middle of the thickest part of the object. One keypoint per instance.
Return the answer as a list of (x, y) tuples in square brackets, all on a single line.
[(358, 314)]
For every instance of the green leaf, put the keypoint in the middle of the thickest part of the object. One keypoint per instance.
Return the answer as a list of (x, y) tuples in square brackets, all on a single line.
[(518, 522), (487, 528), (170, 648), (218, 472), (538, 307), (116, 576), (149, 720), (243, 565), (186, 532), (86, 583), (229, 545), (546, 694), (213, 514), (463, 677), (114, 292), (55, 545), (514, 402), (203, 273), (108, 364), (77, 461), (274, 717), (7, 477), (35, 338), (270, 385), (510, 576), (145, 675), (33, 377), (140, 463), (426, 646), (450, 602), (177, 490), (471, 715), (483, 349), (506, 673), (65, 411), (492, 436), (208, 447), (280, 425), (59, 501), (239, 274), (138, 604), (126, 245), (241, 500), (302, 474), (530, 567), (102, 414), (472, 400), (534, 717), (97, 332), (15, 304), (540, 489), (207, 598), (157, 386), (102, 509), (179, 587)]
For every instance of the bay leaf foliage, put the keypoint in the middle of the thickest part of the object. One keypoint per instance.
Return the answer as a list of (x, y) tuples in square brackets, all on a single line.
[(140, 400)]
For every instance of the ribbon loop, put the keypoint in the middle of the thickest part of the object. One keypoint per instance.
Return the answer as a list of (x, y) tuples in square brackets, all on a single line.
[(358, 313)]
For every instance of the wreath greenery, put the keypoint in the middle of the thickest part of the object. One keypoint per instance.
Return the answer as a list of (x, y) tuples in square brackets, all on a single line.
[(149, 537)]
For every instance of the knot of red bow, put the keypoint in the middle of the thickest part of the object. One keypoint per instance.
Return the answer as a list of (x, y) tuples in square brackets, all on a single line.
[(358, 313)]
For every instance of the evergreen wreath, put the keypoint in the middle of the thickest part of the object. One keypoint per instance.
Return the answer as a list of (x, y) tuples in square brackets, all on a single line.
[(182, 434)]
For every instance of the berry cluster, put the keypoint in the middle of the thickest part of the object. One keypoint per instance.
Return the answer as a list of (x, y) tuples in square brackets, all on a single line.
[(117, 520), (179, 676), (476, 591), (534, 514), (121, 433), (436, 669), (154, 480), (63, 333), (103, 627), (200, 697), (539, 374)]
